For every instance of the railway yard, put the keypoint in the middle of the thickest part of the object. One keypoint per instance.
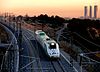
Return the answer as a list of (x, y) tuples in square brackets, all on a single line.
[(32, 58)]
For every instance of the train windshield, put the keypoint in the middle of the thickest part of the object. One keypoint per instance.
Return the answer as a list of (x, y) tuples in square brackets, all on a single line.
[(52, 46), (42, 34)]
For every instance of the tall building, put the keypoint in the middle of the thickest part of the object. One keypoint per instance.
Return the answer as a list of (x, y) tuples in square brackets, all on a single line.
[(95, 11), (90, 12), (85, 11)]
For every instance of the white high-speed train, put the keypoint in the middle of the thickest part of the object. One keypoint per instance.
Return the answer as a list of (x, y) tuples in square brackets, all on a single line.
[(50, 46)]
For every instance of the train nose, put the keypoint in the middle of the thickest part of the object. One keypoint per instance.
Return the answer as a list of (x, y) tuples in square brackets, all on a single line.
[(55, 54)]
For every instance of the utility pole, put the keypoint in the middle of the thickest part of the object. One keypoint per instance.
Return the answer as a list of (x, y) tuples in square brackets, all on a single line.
[(80, 62), (20, 34), (71, 46)]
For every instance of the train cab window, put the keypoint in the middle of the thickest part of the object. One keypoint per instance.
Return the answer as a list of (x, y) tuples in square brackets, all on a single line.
[(52, 46), (48, 39)]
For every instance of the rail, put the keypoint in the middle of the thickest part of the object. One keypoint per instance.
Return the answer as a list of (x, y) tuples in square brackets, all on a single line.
[(36, 58), (57, 65)]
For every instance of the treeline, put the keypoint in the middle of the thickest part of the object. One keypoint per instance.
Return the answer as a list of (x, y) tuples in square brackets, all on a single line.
[(76, 25), (53, 21), (88, 29), (85, 27), (81, 26)]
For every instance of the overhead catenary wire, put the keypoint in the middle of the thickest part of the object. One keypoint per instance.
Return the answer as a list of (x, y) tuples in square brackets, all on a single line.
[(81, 54), (86, 39)]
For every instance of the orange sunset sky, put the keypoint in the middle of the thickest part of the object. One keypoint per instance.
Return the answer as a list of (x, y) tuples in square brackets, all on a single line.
[(64, 8)]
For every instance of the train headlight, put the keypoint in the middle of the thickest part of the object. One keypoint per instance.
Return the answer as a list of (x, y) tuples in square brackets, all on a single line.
[(52, 44)]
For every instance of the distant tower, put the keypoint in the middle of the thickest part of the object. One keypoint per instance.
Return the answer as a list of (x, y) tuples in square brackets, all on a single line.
[(95, 11), (85, 11), (90, 13)]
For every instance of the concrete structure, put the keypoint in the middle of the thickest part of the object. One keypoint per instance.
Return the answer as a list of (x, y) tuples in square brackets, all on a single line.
[(90, 12), (85, 11), (95, 11)]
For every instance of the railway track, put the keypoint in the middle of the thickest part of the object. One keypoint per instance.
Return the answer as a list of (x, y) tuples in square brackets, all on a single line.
[(58, 67), (88, 47), (45, 65), (35, 66), (36, 59), (24, 61)]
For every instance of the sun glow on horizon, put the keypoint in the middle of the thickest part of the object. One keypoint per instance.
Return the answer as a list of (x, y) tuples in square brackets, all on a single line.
[(71, 8)]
